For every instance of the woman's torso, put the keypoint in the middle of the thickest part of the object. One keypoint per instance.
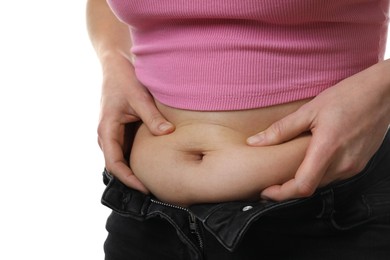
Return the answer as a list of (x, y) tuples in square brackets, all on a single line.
[(255, 58), (206, 159), (231, 55)]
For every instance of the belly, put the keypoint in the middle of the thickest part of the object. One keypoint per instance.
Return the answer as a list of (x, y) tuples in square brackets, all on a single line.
[(206, 159)]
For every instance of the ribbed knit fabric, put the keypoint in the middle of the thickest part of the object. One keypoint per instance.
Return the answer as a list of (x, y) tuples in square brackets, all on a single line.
[(242, 54)]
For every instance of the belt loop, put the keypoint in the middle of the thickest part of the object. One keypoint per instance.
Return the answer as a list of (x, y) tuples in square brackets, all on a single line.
[(327, 198)]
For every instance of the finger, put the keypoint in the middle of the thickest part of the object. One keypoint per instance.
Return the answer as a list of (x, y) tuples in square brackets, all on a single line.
[(121, 171), (117, 166), (152, 118), (283, 130), (308, 176), (111, 144)]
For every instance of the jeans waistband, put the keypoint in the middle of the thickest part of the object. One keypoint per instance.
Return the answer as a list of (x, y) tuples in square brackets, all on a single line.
[(229, 221)]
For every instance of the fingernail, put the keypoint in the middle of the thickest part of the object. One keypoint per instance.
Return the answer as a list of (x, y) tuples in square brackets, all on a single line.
[(256, 139), (165, 127)]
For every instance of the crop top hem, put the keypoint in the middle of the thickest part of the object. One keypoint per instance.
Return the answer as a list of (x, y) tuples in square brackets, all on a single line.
[(234, 102)]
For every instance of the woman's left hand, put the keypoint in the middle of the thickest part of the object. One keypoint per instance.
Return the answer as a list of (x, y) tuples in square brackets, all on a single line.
[(347, 121)]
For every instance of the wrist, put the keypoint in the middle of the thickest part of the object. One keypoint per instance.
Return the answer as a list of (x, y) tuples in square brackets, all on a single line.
[(115, 60), (384, 78), (113, 55), (118, 74), (385, 72)]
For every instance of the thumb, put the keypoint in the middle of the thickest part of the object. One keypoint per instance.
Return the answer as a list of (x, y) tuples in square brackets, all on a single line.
[(153, 119), (282, 130)]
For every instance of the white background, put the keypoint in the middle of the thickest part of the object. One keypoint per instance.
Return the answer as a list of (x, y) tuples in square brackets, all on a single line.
[(51, 165)]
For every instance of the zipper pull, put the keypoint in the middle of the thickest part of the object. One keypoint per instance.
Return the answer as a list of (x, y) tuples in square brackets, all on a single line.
[(193, 225)]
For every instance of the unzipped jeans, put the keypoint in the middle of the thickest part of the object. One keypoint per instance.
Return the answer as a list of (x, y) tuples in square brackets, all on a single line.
[(349, 219)]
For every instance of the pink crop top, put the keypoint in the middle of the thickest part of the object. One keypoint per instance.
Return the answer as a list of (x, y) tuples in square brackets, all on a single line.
[(242, 54)]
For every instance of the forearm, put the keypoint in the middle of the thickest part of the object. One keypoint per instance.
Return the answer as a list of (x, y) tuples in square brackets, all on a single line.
[(384, 72), (110, 37), (112, 42), (372, 89)]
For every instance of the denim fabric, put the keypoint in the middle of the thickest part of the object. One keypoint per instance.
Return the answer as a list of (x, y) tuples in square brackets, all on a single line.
[(346, 220)]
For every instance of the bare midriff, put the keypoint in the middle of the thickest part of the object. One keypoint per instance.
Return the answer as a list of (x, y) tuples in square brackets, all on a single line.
[(207, 160)]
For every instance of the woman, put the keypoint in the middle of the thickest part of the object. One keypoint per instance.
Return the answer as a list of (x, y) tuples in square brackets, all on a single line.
[(219, 73)]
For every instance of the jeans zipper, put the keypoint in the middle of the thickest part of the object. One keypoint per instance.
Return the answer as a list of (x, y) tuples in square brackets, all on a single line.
[(194, 228)]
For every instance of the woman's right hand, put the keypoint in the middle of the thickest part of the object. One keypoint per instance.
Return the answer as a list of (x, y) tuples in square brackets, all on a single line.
[(124, 100)]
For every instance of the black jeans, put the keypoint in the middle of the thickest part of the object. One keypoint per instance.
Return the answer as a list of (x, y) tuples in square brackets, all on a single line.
[(346, 220)]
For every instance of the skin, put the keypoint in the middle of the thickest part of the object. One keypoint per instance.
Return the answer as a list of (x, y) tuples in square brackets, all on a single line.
[(206, 159), (348, 122), (342, 142), (123, 100)]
